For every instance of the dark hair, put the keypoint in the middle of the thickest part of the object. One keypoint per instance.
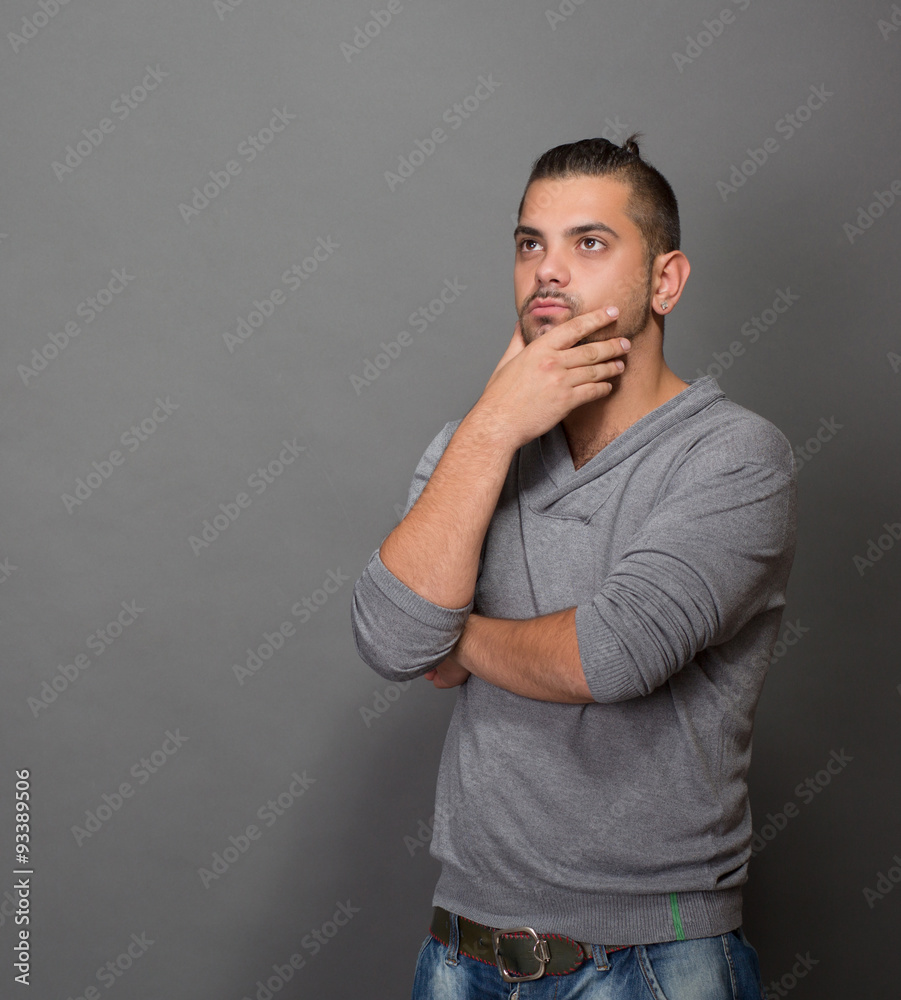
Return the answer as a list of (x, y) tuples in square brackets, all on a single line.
[(652, 204)]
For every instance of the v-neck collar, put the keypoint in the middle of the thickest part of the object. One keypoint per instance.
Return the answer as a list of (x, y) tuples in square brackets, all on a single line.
[(547, 468)]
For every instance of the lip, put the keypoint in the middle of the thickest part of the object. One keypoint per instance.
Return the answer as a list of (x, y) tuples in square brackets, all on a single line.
[(547, 307)]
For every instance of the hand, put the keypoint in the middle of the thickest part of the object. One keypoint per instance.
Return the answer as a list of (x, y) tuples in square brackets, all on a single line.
[(448, 674), (536, 385), (516, 345)]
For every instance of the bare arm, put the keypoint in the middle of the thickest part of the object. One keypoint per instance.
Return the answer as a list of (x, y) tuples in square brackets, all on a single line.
[(536, 658), (713, 555), (435, 549)]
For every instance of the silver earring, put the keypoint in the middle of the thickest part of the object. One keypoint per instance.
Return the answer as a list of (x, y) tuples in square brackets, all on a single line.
[(664, 305)]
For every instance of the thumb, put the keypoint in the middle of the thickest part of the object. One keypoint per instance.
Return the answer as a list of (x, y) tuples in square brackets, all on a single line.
[(516, 346)]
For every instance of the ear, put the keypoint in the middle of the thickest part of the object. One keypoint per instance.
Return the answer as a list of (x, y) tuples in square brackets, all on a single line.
[(668, 277)]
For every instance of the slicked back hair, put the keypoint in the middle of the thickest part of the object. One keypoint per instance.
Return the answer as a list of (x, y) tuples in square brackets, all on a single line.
[(652, 205)]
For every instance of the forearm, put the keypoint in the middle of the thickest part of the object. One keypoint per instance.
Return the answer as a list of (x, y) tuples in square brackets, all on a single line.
[(536, 658), (435, 549)]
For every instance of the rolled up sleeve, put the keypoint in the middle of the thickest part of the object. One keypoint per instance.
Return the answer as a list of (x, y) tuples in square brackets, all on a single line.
[(397, 632), (711, 557)]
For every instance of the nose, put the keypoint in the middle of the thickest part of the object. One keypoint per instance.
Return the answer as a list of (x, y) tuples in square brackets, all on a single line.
[(552, 268)]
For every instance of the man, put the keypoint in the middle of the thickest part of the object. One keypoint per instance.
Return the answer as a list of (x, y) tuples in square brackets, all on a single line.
[(596, 557)]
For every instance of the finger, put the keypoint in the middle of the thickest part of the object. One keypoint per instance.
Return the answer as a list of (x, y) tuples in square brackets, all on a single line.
[(573, 330), (595, 373), (595, 353), (516, 346)]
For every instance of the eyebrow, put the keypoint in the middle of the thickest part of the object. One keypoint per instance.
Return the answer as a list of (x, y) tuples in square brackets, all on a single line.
[(588, 227)]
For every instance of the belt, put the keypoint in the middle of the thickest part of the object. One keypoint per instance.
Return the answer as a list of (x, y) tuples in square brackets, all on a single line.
[(520, 953)]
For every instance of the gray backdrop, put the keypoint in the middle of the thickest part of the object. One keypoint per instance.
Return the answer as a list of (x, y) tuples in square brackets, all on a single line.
[(203, 447)]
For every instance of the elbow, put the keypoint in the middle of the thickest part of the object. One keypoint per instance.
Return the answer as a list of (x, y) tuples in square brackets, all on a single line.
[(398, 650), (381, 658)]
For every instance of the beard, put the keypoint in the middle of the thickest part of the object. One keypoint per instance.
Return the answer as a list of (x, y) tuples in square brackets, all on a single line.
[(633, 318)]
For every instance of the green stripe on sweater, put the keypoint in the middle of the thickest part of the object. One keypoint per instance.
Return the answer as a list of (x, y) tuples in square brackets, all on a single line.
[(677, 920)]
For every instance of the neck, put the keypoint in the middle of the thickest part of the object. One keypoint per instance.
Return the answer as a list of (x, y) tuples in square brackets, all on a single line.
[(646, 383)]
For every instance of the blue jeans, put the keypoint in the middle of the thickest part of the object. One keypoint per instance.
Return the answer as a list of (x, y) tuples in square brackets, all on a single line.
[(714, 968)]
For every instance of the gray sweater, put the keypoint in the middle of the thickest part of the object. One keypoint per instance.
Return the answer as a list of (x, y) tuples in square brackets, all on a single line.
[(624, 821)]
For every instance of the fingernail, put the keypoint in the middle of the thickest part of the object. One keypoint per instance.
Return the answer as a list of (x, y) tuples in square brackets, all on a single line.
[(625, 344), (612, 311)]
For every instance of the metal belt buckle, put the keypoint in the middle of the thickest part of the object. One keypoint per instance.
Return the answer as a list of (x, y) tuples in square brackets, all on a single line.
[(539, 950)]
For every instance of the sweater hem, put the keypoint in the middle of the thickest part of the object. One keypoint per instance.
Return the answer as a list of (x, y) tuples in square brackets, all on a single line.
[(596, 918)]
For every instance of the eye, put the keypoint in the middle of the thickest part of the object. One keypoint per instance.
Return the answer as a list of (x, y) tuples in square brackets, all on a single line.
[(526, 245), (592, 243)]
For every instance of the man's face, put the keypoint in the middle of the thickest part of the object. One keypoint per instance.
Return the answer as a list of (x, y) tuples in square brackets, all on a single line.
[(578, 250)]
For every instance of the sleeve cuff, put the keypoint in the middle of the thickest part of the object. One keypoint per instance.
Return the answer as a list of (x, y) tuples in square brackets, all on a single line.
[(398, 633), (609, 670), (412, 603)]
